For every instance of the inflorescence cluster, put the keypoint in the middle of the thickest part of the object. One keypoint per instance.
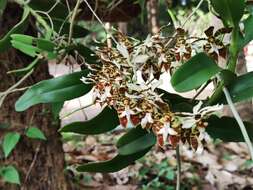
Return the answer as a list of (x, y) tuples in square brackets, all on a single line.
[(129, 74)]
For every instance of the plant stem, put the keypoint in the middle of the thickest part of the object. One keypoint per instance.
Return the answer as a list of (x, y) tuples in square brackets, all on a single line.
[(73, 20), (178, 168), (38, 18), (231, 66), (239, 121)]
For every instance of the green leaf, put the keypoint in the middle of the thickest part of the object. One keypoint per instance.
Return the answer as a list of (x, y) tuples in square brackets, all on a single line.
[(242, 88), (117, 163), (18, 28), (26, 48), (192, 74), (227, 77), (33, 46), (106, 121), (9, 142), (35, 133), (247, 33), (177, 102), (230, 11), (58, 89), (62, 28), (56, 108), (136, 140), (227, 129), (87, 53), (10, 175)]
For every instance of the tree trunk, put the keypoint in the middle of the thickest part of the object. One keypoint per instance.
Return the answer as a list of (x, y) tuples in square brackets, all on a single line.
[(153, 23), (40, 163)]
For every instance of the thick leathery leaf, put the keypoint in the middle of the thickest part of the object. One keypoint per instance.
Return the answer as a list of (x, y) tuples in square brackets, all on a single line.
[(117, 163), (58, 89), (247, 32), (241, 88), (133, 134), (177, 102), (134, 145), (105, 121), (5, 42), (227, 129), (192, 74), (230, 11)]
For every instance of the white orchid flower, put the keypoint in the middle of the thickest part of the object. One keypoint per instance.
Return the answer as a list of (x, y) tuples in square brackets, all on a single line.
[(127, 113), (166, 131), (147, 119), (190, 119)]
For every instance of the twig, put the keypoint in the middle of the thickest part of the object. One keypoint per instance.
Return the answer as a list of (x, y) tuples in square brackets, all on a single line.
[(72, 21), (33, 162), (239, 121), (100, 21), (4, 94), (192, 13), (178, 168)]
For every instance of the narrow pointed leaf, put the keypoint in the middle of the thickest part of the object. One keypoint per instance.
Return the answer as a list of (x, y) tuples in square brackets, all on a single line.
[(192, 74), (136, 140), (35, 133), (230, 11), (117, 163), (227, 129), (105, 121), (58, 89), (9, 142)]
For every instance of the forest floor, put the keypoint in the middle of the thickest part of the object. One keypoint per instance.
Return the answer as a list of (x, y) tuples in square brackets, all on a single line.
[(221, 166)]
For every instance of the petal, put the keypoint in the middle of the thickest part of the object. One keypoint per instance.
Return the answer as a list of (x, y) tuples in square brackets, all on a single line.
[(197, 107)]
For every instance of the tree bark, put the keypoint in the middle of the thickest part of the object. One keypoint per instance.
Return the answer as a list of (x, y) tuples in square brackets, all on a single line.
[(153, 12), (40, 163)]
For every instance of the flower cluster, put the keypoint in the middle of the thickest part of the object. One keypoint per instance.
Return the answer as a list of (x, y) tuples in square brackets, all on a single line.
[(136, 100)]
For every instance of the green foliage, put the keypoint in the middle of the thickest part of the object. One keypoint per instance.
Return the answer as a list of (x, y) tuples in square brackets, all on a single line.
[(230, 11), (34, 46), (240, 89), (247, 35), (227, 129), (10, 174), (105, 121), (136, 140), (5, 42), (62, 27), (35, 133), (9, 142), (192, 74), (117, 163), (59, 89)]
